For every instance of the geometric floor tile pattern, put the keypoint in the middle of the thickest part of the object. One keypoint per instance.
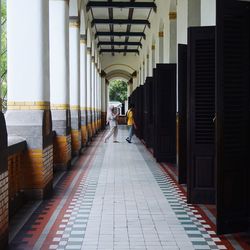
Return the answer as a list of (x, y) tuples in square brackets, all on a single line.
[(116, 197)]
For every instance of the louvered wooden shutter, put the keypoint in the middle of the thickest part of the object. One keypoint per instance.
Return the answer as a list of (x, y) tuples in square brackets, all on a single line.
[(201, 111), (165, 112), (232, 107), (182, 111)]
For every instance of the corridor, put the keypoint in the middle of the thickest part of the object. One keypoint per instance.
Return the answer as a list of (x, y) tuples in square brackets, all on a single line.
[(115, 197)]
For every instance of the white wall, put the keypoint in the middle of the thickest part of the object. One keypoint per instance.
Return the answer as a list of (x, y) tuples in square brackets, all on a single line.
[(208, 12)]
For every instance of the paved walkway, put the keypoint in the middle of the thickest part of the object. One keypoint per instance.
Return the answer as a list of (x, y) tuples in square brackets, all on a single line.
[(116, 197)]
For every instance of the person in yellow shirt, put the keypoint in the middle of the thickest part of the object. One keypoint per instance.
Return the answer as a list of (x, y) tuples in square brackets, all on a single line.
[(130, 122)]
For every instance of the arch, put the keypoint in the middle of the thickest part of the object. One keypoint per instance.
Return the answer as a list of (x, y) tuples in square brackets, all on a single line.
[(121, 74), (111, 66)]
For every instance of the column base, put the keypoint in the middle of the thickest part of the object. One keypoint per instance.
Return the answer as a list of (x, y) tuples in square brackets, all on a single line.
[(62, 152), (75, 132), (62, 140), (76, 142), (84, 132), (36, 127)]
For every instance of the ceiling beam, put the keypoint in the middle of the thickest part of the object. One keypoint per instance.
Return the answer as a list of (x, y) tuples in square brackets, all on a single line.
[(120, 34), (120, 22), (119, 43), (119, 51), (121, 5)]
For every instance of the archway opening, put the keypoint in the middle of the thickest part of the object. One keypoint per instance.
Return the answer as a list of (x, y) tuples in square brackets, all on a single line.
[(118, 95)]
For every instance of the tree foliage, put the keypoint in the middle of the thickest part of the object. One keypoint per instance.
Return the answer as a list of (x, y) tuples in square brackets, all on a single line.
[(118, 91), (3, 67)]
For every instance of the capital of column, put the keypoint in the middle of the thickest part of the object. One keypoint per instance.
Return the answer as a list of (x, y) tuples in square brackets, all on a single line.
[(12, 105), (153, 47), (172, 15), (74, 22)]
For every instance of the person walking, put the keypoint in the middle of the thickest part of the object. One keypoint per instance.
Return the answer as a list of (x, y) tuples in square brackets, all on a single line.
[(130, 122), (113, 124)]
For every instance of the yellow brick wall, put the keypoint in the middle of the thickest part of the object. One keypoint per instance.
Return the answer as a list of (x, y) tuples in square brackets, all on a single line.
[(38, 171), (75, 140), (84, 132), (62, 150)]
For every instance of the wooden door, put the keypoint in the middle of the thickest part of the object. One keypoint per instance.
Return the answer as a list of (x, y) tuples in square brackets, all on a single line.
[(182, 113), (232, 123), (165, 112), (201, 111)]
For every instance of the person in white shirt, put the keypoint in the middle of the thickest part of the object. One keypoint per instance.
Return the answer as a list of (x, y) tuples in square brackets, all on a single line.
[(112, 116)]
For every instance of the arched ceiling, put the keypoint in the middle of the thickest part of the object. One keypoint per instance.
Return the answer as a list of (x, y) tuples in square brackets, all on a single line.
[(118, 74)]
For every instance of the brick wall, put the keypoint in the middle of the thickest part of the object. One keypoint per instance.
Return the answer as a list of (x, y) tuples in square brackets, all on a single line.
[(15, 182), (62, 151), (4, 213), (38, 172), (76, 141)]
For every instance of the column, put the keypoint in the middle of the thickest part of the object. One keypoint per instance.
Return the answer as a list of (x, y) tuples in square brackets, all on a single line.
[(29, 114), (89, 97), (93, 90), (99, 95), (103, 99), (96, 92), (74, 52), (59, 82), (172, 37), (4, 212), (83, 88), (161, 46)]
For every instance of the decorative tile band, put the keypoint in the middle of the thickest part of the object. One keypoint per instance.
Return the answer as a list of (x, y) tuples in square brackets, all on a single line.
[(59, 106), (74, 107), (28, 105)]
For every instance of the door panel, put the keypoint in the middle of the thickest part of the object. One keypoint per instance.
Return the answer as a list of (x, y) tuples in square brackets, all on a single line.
[(232, 123), (182, 111), (201, 111), (165, 112)]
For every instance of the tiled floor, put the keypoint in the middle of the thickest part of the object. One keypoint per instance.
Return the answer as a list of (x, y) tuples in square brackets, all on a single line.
[(116, 197)]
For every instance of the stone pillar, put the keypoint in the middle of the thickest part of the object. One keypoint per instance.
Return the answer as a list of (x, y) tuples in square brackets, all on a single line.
[(59, 82), (100, 97), (74, 50), (103, 99), (83, 89), (93, 94), (96, 95), (89, 89), (161, 46), (28, 112), (172, 37)]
